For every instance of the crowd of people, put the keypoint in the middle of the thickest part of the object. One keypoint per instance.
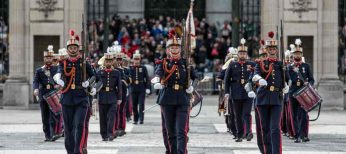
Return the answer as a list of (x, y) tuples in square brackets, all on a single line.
[(150, 35)]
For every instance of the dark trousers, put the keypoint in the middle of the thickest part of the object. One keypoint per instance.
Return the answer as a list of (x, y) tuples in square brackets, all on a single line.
[(128, 106), (300, 119), (230, 119), (284, 118), (87, 126), (259, 132), (48, 120), (177, 125), (164, 133), (74, 123), (122, 111), (242, 109), (107, 118), (270, 116), (138, 99)]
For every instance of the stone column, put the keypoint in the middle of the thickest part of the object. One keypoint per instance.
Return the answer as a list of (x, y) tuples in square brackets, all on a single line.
[(330, 87), (270, 11), (16, 88), (218, 11)]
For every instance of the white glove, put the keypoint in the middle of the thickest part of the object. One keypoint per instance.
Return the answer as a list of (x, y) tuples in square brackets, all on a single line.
[(60, 82), (36, 92), (247, 87), (57, 77), (155, 80), (85, 84), (189, 90), (147, 91), (158, 86), (226, 97), (93, 92), (262, 82), (286, 89), (251, 94), (256, 78)]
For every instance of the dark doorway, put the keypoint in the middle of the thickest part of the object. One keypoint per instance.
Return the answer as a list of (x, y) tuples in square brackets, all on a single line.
[(40, 44), (308, 48), (174, 8)]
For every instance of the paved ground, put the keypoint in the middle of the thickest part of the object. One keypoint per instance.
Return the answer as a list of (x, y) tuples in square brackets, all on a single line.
[(21, 133)]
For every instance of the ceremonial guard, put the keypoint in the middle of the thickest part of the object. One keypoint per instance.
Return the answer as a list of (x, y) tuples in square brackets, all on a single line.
[(158, 64), (251, 87), (300, 75), (108, 97), (237, 75), (75, 72), (287, 118), (43, 85), (225, 106), (118, 64), (140, 85), (270, 75), (175, 95)]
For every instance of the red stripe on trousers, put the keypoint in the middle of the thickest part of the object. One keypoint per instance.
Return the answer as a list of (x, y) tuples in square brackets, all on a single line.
[(83, 134), (260, 120)]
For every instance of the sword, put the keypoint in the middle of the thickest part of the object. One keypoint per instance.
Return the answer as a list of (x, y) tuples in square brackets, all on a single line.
[(150, 107)]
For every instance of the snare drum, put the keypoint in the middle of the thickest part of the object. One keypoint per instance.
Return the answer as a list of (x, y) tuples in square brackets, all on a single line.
[(53, 100), (308, 97)]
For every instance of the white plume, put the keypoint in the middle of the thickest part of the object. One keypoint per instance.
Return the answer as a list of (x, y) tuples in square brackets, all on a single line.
[(298, 42), (243, 41), (115, 43), (50, 48)]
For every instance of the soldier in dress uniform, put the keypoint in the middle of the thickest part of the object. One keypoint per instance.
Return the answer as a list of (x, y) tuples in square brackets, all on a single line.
[(118, 65), (251, 87), (140, 85), (175, 95), (269, 74), (43, 84), (75, 95), (158, 64), (286, 122), (300, 75), (109, 97), (236, 77), (229, 117)]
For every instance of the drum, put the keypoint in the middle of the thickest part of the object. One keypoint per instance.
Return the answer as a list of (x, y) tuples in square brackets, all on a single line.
[(308, 97), (53, 100)]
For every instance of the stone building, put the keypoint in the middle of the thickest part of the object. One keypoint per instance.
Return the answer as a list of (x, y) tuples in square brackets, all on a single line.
[(34, 25)]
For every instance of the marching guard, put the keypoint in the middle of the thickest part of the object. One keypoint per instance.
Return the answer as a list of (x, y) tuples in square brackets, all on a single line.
[(174, 99), (250, 88), (269, 74), (44, 85), (300, 75), (121, 113), (140, 85), (109, 97), (236, 77), (75, 95), (226, 105)]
